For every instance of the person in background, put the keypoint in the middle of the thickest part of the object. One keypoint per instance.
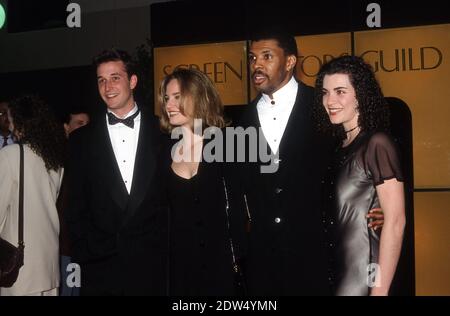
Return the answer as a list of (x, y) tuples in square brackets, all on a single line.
[(36, 127), (6, 137), (73, 120)]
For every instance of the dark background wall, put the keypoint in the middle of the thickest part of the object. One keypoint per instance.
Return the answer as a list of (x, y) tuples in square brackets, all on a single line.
[(204, 21), (188, 22)]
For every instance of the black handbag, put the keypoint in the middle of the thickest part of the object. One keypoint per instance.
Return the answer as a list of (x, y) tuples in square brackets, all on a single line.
[(240, 285), (11, 257)]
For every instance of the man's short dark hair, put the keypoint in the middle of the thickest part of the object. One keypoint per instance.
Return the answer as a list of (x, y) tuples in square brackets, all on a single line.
[(115, 54), (285, 40), (67, 116)]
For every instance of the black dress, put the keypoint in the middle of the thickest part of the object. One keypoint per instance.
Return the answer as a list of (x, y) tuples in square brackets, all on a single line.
[(200, 261), (357, 169)]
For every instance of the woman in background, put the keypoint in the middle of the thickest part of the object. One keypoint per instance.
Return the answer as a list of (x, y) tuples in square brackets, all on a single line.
[(44, 142)]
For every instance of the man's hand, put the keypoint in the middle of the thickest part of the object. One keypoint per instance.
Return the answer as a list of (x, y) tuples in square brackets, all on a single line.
[(377, 218)]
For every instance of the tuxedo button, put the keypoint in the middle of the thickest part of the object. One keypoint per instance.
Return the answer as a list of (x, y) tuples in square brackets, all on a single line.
[(277, 220), (278, 190)]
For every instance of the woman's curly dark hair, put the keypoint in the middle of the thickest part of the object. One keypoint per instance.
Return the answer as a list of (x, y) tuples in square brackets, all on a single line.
[(38, 127), (372, 107)]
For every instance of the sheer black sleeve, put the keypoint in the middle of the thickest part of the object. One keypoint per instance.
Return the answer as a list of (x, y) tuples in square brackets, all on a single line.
[(382, 159)]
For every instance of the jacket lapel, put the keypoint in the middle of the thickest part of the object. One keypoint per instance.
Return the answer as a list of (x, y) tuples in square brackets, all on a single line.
[(298, 129), (145, 164), (296, 133)]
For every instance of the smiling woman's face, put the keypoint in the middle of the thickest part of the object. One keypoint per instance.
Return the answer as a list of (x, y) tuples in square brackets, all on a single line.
[(339, 100), (172, 100)]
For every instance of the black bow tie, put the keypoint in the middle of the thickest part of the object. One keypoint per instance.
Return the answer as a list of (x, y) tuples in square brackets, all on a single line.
[(129, 121)]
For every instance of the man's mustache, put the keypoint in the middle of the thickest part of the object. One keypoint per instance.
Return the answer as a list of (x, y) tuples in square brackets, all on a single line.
[(259, 72)]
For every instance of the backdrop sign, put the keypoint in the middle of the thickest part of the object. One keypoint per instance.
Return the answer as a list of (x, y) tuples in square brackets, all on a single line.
[(315, 50), (224, 63), (413, 64)]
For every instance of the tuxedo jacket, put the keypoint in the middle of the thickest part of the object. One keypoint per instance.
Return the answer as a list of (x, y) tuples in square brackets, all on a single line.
[(119, 239), (285, 249)]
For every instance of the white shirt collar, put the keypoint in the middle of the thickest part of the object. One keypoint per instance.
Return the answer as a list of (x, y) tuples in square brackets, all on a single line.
[(274, 117), (286, 94), (124, 142), (133, 110)]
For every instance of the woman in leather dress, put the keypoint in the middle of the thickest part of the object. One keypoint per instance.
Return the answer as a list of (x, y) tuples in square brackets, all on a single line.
[(365, 174)]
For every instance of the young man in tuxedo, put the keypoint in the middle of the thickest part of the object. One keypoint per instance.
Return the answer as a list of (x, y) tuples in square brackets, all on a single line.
[(115, 217)]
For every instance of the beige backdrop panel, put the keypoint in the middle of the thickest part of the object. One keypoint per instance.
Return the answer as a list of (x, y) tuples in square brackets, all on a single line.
[(432, 236), (413, 65), (224, 63)]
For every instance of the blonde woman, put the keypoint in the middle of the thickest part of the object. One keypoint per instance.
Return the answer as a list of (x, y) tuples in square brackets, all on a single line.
[(200, 253)]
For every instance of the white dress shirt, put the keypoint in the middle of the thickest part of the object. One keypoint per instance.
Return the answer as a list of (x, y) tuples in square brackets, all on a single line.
[(274, 113), (124, 141)]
